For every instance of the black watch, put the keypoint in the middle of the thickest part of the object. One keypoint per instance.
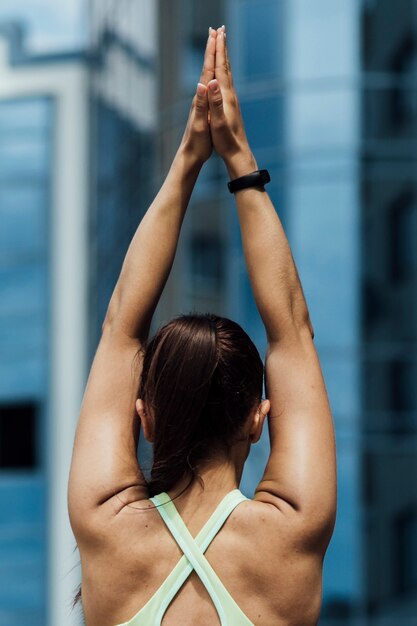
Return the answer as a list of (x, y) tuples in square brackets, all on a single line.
[(259, 178)]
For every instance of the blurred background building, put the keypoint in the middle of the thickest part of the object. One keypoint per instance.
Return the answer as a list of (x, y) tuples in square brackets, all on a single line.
[(328, 94), (43, 315), (389, 313), (124, 116)]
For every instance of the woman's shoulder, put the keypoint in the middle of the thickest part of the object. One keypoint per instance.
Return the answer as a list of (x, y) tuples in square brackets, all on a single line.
[(274, 532)]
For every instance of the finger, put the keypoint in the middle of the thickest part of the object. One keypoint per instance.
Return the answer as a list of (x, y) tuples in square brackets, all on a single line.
[(228, 60), (207, 72), (201, 104), (215, 101), (226, 54), (221, 70)]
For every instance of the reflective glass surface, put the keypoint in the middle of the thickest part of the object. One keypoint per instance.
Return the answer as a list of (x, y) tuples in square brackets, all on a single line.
[(25, 175)]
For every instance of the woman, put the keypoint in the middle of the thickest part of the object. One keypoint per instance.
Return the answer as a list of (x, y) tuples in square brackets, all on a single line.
[(196, 390)]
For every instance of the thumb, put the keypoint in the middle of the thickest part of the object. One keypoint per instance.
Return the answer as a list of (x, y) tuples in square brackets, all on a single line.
[(215, 100), (201, 101)]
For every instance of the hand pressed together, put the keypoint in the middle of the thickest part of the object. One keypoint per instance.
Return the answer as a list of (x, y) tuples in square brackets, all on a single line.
[(197, 140), (215, 118)]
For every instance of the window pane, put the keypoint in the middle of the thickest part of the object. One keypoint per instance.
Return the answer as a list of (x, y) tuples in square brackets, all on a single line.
[(24, 114), (263, 121), (405, 551), (18, 435), (321, 38), (261, 44), (22, 335), (23, 288), (402, 109), (22, 220), (402, 394), (403, 235), (23, 156), (207, 262)]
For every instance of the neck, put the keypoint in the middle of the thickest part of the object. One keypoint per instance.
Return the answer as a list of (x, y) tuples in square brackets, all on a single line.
[(217, 476)]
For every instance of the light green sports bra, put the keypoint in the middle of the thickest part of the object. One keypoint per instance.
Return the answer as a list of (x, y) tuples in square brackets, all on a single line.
[(228, 611)]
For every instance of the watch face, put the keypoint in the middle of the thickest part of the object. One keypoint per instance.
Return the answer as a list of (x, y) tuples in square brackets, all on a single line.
[(265, 176)]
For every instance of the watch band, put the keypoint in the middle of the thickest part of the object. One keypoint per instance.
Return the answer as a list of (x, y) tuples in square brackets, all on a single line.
[(258, 178)]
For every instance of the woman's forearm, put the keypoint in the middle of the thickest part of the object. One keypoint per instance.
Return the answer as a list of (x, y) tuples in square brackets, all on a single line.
[(151, 252), (273, 275)]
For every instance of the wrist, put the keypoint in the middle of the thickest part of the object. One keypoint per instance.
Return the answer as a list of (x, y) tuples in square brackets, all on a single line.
[(188, 159), (241, 164)]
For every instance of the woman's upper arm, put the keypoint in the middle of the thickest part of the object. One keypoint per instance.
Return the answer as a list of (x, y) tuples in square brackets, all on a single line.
[(301, 471), (104, 459)]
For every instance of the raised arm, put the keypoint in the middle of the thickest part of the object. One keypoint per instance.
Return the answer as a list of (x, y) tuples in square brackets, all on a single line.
[(300, 476), (105, 474), (151, 253)]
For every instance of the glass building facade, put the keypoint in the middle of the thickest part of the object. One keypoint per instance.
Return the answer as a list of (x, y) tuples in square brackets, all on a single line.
[(42, 321), (389, 313), (321, 182), (25, 177), (329, 98), (122, 141)]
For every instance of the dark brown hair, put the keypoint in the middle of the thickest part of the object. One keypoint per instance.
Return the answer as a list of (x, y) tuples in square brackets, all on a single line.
[(202, 376)]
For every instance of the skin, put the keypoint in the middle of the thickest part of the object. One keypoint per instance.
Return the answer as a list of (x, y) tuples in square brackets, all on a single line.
[(269, 554)]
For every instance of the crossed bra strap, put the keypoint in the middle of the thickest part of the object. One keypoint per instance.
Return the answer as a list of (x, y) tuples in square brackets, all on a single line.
[(194, 554)]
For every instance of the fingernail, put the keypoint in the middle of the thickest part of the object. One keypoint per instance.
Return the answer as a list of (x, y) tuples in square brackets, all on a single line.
[(201, 90), (214, 86)]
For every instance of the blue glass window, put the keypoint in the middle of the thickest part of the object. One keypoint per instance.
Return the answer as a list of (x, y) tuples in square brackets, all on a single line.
[(25, 170), (403, 96), (263, 121), (26, 115), (18, 422), (27, 156), (404, 552), (402, 394), (403, 234), (23, 223), (25, 174), (207, 262), (261, 39), (22, 287)]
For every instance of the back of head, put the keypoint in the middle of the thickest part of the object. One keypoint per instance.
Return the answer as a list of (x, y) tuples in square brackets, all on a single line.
[(202, 376)]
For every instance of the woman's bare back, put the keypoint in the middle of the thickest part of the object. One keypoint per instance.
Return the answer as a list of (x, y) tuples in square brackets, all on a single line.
[(259, 555)]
